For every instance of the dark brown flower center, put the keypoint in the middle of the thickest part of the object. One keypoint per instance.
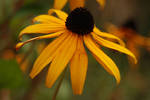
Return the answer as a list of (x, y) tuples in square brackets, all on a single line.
[(80, 21)]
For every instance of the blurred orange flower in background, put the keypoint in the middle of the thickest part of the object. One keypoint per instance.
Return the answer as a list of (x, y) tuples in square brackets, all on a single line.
[(128, 33), (10, 54)]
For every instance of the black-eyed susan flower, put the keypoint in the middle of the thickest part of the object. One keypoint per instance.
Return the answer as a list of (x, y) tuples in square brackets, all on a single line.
[(101, 3), (59, 4), (128, 33), (73, 32)]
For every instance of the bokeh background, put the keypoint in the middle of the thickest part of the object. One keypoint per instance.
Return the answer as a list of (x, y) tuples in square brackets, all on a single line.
[(15, 84)]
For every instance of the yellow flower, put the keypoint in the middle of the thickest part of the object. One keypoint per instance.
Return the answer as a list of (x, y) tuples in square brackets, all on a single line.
[(72, 31), (101, 3), (59, 4), (128, 33)]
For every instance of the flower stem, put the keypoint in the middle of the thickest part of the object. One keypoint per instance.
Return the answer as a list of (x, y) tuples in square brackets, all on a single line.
[(59, 85)]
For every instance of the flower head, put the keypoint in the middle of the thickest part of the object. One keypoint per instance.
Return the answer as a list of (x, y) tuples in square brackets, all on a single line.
[(72, 32), (128, 32), (59, 4)]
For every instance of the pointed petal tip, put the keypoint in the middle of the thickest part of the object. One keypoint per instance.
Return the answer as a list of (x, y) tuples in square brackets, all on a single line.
[(34, 20), (31, 75), (118, 81), (77, 92), (48, 84), (134, 58), (19, 45), (49, 81), (118, 78), (50, 11)]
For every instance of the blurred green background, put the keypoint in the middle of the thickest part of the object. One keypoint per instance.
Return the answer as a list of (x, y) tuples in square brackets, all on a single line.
[(99, 85)]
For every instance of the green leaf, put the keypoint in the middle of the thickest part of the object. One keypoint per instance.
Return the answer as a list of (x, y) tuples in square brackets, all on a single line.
[(10, 74)]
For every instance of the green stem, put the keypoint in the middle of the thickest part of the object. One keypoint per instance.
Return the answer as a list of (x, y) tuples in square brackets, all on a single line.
[(58, 86)]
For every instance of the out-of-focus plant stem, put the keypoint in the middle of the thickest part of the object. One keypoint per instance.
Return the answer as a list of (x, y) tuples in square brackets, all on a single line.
[(4, 29), (59, 85), (32, 89), (4, 25), (16, 7)]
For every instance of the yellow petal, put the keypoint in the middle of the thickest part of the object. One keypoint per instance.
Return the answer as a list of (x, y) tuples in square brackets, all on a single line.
[(62, 15), (102, 58), (114, 46), (59, 4), (76, 3), (47, 55), (19, 45), (61, 60), (41, 28), (133, 48), (47, 19), (78, 68), (103, 64), (107, 35), (101, 3)]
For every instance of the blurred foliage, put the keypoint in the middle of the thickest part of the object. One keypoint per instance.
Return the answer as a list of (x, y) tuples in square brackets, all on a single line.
[(10, 74), (135, 83)]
